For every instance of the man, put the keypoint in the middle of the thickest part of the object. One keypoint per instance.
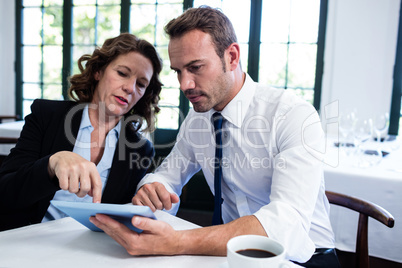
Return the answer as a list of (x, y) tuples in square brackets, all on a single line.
[(272, 181)]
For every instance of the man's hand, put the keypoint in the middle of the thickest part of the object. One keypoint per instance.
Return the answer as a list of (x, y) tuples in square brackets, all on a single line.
[(76, 174), (155, 196), (157, 238)]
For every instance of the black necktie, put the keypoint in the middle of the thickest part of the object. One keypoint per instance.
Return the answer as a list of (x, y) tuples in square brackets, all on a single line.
[(217, 217)]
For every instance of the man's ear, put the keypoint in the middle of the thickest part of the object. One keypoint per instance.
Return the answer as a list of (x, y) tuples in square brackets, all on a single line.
[(233, 53)]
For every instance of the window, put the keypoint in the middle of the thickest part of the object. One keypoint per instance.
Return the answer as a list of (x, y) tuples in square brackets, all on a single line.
[(289, 34), (41, 51), (53, 34)]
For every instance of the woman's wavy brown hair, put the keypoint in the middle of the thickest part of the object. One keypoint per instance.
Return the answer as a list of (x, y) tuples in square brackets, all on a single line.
[(83, 85)]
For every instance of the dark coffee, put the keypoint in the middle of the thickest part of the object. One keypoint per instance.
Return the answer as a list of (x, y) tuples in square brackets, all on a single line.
[(256, 253)]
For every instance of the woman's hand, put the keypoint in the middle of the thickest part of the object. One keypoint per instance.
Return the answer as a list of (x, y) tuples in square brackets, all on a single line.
[(76, 174)]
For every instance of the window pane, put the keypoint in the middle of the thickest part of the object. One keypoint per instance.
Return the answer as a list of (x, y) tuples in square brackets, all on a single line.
[(302, 59), (31, 91), (32, 64), (244, 56), (31, 3), (170, 97), (165, 13), (84, 25), (108, 23), (211, 3), (142, 22), (170, 2), (53, 26), (237, 11), (84, 2), (33, 22), (52, 92), (304, 21), (26, 107), (78, 51), (143, 1), (52, 64), (239, 15), (306, 94), (273, 59), (275, 20), (53, 3), (109, 2), (168, 118)]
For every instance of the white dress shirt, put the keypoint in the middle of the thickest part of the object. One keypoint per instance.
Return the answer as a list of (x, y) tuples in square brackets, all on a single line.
[(272, 165), (82, 147)]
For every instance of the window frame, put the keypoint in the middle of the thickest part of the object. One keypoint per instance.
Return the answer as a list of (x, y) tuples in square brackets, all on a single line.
[(395, 111)]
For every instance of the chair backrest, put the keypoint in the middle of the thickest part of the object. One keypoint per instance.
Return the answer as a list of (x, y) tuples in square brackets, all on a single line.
[(6, 140), (6, 117), (366, 209)]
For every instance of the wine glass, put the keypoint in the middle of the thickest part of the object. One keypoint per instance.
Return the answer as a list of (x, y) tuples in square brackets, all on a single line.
[(346, 141), (363, 132), (346, 124), (381, 123)]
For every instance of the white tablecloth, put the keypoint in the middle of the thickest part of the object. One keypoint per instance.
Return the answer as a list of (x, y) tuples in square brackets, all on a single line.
[(67, 243), (10, 130), (381, 184)]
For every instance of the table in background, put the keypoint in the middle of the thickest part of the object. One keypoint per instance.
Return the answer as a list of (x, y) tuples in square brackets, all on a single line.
[(381, 184), (10, 130)]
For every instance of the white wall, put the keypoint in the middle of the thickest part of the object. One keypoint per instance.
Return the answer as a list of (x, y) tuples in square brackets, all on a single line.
[(359, 56), (7, 57)]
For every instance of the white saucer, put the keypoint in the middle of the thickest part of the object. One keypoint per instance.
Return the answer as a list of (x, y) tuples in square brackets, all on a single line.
[(224, 265)]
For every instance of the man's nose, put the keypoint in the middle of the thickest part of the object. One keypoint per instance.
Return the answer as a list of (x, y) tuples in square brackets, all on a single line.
[(186, 82)]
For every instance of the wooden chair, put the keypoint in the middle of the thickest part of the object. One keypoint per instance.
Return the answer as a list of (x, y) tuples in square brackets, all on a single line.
[(366, 209), (5, 117)]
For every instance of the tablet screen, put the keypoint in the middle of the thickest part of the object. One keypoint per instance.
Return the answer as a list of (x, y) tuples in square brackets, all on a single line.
[(81, 212)]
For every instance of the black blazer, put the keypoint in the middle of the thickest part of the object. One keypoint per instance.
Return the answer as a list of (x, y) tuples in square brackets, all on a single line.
[(25, 186)]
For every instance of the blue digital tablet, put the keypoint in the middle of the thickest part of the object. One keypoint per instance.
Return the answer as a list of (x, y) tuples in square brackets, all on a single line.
[(81, 212)]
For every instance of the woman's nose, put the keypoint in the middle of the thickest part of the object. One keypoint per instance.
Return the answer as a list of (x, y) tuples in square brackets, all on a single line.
[(129, 86)]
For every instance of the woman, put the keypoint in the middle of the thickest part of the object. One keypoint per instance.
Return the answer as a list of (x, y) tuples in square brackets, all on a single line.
[(90, 149)]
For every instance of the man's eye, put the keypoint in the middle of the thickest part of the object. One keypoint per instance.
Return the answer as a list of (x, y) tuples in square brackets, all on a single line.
[(194, 68)]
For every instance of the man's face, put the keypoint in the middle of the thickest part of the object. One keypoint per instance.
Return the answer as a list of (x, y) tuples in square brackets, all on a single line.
[(200, 71)]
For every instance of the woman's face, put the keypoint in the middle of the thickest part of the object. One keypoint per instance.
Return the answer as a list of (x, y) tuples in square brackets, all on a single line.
[(122, 84)]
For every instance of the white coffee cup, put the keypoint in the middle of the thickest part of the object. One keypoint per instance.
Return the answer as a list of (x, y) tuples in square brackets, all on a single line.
[(255, 242)]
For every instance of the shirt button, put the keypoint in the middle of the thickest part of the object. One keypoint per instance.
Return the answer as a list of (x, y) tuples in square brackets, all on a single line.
[(235, 188)]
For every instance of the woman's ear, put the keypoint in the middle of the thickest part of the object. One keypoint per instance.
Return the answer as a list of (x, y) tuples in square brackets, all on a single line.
[(233, 53), (97, 76)]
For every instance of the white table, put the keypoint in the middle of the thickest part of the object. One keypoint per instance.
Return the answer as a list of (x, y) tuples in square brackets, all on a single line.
[(10, 130), (381, 184), (67, 243)]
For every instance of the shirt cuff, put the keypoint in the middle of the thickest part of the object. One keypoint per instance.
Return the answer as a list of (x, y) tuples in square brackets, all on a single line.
[(283, 224)]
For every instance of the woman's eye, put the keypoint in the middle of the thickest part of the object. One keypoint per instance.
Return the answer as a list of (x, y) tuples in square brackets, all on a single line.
[(121, 73)]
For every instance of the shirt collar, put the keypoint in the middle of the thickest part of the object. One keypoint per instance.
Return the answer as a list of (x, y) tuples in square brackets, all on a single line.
[(236, 109), (86, 123)]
